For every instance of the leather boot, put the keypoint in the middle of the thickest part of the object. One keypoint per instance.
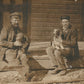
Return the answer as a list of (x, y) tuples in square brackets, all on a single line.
[(63, 72), (56, 71)]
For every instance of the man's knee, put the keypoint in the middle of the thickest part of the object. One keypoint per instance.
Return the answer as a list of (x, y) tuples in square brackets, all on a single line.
[(49, 50), (57, 53), (66, 51), (24, 58)]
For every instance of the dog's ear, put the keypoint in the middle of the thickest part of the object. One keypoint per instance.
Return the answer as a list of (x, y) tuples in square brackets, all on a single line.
[(58, 32)]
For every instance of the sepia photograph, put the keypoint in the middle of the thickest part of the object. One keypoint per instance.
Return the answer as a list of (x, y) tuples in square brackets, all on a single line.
[(41, 41)]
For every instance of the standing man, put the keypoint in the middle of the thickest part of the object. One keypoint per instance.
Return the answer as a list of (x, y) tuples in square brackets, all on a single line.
[(69, 42), (13, 51)]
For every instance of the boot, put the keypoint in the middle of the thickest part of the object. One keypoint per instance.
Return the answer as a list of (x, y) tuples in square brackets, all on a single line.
[(55, 71), (63, 72)]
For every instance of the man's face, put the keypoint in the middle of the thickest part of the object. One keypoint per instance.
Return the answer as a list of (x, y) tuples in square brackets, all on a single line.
[(15, 21), (65, 23)]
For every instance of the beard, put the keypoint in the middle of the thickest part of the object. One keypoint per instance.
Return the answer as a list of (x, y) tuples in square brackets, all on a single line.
[(15, 25)]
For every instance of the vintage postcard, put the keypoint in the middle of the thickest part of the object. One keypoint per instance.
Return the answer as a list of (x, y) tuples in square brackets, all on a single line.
[(41, 42)]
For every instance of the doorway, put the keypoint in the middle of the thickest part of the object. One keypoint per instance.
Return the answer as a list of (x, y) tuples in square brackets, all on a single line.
[(9, 6)]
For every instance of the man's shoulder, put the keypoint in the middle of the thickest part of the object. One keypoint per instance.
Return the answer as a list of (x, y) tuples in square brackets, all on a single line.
[(7, 28), (10, 28), (4, 29)]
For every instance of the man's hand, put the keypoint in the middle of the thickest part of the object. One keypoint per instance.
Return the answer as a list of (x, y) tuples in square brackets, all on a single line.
[(10, 44), (3, 43), (17, 43), (6, 44)]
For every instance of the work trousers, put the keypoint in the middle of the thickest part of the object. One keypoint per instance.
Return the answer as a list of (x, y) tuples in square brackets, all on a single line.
[(58, 56)]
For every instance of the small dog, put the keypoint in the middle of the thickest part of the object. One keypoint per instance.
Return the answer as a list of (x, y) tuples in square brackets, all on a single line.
[(57, 40)]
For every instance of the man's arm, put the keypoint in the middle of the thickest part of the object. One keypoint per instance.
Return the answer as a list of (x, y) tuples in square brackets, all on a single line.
[(4, 39), (74, 37), (73, 40)]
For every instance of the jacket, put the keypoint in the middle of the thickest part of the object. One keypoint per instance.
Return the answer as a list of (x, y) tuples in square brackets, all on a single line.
[(70, 39), (8, 37)]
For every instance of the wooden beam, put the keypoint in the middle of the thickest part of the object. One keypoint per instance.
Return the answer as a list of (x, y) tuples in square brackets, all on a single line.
[(25, 15), (1, 20), (51, 81), (29, 18), (4, 8)]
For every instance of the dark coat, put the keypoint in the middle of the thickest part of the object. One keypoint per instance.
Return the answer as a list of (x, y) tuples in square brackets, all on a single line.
[(70, 40), (8, 37)]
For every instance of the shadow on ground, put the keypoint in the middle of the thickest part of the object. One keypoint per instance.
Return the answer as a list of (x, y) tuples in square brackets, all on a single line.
[(37, 72)]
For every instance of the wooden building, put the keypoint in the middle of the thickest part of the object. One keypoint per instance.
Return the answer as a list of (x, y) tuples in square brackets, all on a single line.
[(45, 16), (40, 17)]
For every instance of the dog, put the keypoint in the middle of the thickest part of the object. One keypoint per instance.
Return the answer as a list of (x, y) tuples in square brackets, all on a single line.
[(57, 40)]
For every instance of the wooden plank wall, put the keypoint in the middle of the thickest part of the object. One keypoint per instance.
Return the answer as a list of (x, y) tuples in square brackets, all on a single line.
[(45, 16)]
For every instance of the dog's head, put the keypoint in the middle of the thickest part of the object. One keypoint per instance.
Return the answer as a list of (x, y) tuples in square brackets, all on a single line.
[(56, 32)]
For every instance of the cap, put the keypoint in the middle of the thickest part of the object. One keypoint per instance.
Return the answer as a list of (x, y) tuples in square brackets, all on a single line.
[(65, 17), (16, 14)]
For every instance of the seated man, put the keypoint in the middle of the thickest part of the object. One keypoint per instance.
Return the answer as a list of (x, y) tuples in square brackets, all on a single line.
[(69, 49), (14, 43)]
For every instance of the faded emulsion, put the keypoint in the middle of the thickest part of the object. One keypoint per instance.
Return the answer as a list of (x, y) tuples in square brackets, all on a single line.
[(41, 41)]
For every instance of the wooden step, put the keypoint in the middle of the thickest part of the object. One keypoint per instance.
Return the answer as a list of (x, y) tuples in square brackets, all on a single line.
[(42, 61), (37, 46)]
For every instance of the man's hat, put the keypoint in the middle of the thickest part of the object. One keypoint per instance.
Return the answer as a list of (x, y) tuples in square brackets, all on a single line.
[(65, 17), (16, 14)]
